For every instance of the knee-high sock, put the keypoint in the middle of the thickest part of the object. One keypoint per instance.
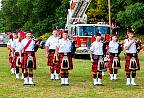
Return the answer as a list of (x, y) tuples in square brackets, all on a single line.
[(64, 74)]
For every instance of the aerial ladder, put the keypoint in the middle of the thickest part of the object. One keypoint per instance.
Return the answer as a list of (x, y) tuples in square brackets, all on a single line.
[(77, 10)]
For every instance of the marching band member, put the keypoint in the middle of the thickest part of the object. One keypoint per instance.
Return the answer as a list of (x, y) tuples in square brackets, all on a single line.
[(50, 53), (16, 49), (114, 63), (132, 61), (96, 56), (63, 55), (12, 37), (29, 60)]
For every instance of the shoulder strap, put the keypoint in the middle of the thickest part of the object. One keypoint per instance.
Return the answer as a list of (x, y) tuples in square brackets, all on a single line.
[(26, 46)]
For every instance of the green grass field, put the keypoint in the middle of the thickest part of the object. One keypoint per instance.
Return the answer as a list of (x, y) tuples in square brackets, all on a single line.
[(81, 84)]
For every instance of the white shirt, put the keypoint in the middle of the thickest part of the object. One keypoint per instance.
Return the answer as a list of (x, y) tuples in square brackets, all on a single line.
[(113, 47), (24, 43), (64, 45), (16, 45), (52, 42), (10, 42), (97, 48), (132, 48)]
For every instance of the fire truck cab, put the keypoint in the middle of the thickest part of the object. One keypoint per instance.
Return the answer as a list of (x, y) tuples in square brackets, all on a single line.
[(84, 35)]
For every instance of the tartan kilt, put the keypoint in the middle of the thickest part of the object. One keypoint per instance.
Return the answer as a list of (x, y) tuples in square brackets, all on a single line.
[(15, 59), (61, 55), (111, 57), (127, 61), (51, 58), (95, 63), (25, 57)]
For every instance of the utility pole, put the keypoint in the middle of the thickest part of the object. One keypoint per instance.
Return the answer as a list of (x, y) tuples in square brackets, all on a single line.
[(109, 11)]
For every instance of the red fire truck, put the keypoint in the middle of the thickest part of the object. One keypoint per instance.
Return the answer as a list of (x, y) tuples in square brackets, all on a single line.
[(81, 32)]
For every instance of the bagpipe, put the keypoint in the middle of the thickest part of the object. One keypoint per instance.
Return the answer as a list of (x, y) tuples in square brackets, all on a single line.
[(138, 45), (120, 47), (37, 43), (73, 48)]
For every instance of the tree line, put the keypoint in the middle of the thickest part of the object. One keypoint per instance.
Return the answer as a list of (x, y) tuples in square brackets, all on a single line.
[(43, 15)]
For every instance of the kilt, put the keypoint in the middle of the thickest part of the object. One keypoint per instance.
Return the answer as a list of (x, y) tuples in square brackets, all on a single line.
[(15, 59), (111, 57), (127, 61), (95, 63), (69, 56), (51, 57), (25, 58)]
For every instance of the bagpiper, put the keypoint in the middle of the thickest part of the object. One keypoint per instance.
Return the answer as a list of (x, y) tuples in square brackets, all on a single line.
[(50, 46), (64, 57), (132, 62), (97, 54), (115, 49), (12, 37), (29, 60), (16, 48)]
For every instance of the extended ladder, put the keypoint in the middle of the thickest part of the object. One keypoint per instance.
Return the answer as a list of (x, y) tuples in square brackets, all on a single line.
[(80, 10)]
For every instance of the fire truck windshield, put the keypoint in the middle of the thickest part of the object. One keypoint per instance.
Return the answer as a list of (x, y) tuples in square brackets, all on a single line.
[(92, 30)]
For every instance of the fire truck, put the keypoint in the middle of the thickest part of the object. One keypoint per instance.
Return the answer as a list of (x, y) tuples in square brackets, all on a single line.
[(78, 29)]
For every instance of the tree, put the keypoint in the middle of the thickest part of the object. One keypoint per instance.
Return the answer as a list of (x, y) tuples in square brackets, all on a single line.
[(61, 14), (11, 13), (98, 11), (133, 16)]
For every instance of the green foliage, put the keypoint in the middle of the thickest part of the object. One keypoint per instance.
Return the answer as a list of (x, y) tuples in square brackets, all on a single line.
[(132, 16), (98, 11), (61, 14), (43, 15)]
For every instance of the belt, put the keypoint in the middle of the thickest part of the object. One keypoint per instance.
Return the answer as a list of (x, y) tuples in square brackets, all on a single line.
[(131, 54), (114, 54), (51, 50), (65, 54)]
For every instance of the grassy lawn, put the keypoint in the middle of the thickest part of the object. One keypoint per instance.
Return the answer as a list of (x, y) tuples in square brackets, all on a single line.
[(81, 85)]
